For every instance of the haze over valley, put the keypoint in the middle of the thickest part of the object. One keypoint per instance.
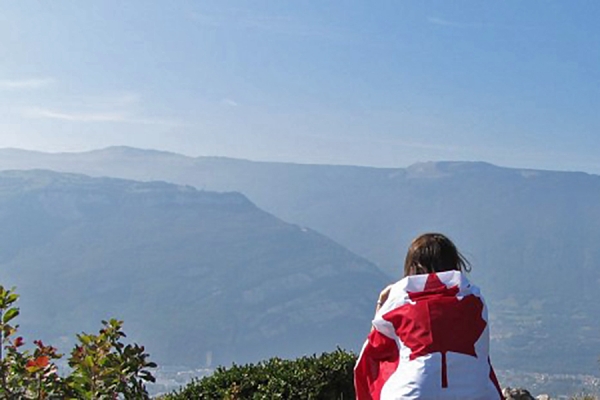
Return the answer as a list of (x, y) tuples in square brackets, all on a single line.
[(202, 261)]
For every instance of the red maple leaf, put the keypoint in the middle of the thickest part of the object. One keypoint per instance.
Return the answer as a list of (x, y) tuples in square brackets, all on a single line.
[(439, 322)]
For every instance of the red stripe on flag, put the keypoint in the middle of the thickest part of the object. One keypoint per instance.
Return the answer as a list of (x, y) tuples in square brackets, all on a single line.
[(377, 362)]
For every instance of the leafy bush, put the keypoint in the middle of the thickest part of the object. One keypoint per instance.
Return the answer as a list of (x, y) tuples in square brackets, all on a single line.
[(102, 367), (328, 376)]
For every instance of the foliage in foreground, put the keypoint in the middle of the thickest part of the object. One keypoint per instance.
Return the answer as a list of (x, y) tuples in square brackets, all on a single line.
[(328, 376), (102, 367)]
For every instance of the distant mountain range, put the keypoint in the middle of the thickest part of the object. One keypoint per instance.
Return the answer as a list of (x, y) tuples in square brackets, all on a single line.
[(196, 275), (532, 236)]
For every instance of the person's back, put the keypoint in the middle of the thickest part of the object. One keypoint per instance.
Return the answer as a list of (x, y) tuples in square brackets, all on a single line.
[(430, 337)]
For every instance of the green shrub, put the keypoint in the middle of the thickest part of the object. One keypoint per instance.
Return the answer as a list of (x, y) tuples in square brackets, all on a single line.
[(328, 376), (102, 367)]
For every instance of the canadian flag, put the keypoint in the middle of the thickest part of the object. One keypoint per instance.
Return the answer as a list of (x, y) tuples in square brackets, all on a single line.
[(430, 340)]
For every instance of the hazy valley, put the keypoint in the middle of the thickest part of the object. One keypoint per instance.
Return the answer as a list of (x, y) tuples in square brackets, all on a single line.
[(227, 274)]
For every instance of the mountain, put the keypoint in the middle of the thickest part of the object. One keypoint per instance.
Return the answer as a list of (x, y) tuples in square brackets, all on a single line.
[(531, 235), (195, 275)]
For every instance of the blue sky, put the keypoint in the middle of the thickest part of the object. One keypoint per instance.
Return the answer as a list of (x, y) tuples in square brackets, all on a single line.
[(384, 83)]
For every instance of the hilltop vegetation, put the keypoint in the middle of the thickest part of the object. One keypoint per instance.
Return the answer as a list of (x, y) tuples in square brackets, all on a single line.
[(328, 376)]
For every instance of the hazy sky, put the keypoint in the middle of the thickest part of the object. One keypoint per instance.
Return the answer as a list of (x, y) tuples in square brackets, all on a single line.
[(384, 83)]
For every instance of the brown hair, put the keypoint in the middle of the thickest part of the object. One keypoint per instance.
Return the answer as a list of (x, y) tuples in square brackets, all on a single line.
[(433, 252)]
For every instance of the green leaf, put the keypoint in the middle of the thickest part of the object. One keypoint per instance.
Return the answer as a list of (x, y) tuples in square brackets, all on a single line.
[(12, 298), (10, 314), (88, 361), (85, 339)]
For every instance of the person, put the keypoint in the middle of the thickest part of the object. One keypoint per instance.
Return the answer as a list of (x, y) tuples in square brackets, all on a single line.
[(430, 335)]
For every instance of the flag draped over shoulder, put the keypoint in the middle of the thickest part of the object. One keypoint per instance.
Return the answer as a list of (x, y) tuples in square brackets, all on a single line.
[(430, 340)]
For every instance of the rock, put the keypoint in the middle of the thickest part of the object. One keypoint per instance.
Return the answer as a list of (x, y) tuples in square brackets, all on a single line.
[(542, 397), (517, 394)]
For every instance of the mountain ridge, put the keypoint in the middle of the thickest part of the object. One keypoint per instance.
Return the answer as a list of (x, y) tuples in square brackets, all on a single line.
[(177, 264), (131, 150)]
